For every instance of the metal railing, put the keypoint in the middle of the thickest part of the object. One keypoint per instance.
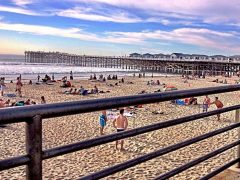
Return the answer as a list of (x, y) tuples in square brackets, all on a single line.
[(33, 116)]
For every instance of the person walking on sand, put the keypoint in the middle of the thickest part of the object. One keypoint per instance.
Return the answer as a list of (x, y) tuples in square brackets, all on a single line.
[(38, 77), (121, 124), (219, 105), (206, 103), (19, 87), (2, 85), (103, 121)]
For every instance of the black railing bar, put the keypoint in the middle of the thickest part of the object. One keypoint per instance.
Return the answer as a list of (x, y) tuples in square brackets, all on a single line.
[(129, 133), (133, 162), (14, 162), (69, 108), (219, 170), (196, 161)]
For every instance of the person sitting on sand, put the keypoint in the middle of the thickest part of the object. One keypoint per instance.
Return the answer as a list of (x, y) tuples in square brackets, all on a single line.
[(43, 101), (206, 103), (103, 121), (7, 103), (2, 103), (64, 79), (33, 102), (68, 91), (219, 105), (28, 102), (75, 91), (95, 90), (192, 101), (121, 124), (81, 90)]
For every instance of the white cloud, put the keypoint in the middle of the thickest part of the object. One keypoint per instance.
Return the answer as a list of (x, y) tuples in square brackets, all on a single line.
[(214, 11), (68, 33), (18, 10), (98, 15), (22, 2), (198, 37)]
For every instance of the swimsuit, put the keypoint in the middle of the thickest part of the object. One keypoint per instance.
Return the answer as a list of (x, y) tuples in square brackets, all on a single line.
[(120, 129), (102, 120)]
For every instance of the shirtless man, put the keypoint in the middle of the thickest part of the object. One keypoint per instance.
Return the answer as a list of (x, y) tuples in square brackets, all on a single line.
[(219, 105), (120, 123)]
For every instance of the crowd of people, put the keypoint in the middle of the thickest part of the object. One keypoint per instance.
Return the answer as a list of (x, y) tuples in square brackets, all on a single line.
[(9, 103)]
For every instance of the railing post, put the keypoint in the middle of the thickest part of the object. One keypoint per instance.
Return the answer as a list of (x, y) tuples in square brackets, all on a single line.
[(34, 148), (237, 120)]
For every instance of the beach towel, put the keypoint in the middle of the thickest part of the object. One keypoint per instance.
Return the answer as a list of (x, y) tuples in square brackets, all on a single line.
[(128, 114), (180, 102), (10, 95)]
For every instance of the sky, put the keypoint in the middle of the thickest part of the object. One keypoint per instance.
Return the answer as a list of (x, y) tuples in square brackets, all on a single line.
[(120, 27)]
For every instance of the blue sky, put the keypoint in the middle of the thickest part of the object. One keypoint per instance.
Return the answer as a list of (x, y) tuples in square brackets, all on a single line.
[(120, 27)]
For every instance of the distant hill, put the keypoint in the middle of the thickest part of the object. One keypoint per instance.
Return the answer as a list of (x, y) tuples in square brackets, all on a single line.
[(11, 56)]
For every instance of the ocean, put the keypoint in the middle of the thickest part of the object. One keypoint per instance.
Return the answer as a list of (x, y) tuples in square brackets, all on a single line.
[(11, 69)]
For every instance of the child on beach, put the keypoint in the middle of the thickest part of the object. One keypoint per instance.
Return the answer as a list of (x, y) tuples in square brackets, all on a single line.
[(43, 101), (206, 103), (103, 121)]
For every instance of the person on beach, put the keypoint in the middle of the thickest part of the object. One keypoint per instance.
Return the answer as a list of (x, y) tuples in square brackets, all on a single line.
[(219, 105), (19, 87), (2, 85), (38, 77), (71, 75), (206, 103), (103, 121), (43, 101), (28, 102), (121, 124)]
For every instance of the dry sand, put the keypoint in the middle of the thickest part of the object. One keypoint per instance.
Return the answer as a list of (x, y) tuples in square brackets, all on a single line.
[(70, 129)]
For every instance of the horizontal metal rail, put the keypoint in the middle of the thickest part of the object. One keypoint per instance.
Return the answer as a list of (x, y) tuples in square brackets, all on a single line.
[(130, 133), (217, 171), (57, 151), (69, 108), (197, 161), (14, 162), (133, 162)]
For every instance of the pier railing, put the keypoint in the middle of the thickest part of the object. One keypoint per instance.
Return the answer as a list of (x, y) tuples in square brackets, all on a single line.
[(33, 116)]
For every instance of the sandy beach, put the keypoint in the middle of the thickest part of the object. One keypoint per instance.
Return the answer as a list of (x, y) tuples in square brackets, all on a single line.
[(70, 129)]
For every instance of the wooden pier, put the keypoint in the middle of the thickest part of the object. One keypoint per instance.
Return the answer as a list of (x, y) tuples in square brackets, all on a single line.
[(166, 64)]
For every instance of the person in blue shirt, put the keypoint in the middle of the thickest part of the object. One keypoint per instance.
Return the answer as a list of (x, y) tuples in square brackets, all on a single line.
[(103, 121)]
